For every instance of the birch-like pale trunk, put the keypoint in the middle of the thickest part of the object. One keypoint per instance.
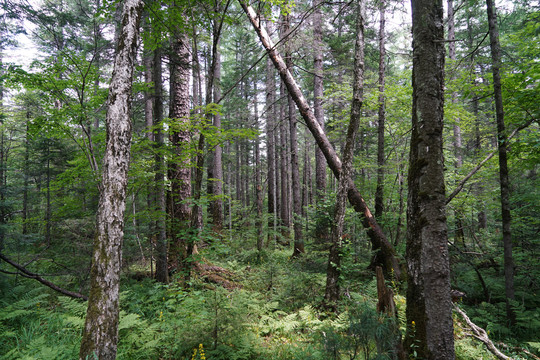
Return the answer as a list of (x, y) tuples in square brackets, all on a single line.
[(100, 334)]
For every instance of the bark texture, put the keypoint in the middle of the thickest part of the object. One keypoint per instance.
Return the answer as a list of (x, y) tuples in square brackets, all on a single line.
[(318, 92), (270, 146), (388, 259), (100, 334), (295, 172), (379, 193), (162, 273), (215, 168), (429, 311), (180, 168), (503, 160)]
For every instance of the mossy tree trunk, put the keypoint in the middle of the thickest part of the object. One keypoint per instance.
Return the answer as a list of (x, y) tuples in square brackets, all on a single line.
[(100, 334), (429, 307)]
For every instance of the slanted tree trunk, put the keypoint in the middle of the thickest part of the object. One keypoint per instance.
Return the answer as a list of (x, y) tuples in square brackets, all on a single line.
[(387, 255), (429, 306), (180, 167), (100, 334), (332, 294), (379, 193), (502, 144)]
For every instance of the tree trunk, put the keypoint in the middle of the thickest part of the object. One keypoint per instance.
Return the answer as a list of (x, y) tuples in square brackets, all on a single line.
[(26, 177), (270, 145), (162, 272), (215, 168), (318, 93), (180, 167), (459, 233), (503, 161), (387, 255), (258, 184), (100, 334), (379, 193), (295, 172), (2, 165), (284, 168), (429, 312), (332, 294)]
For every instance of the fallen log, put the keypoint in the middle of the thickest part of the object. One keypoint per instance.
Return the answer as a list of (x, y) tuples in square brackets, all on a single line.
[(481, 334)]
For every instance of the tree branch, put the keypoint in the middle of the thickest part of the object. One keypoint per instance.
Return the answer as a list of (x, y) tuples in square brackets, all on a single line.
[(26, 273), (481, 335), (459, 187)]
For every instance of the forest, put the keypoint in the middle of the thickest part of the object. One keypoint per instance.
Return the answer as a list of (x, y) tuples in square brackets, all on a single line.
[(274, 179)]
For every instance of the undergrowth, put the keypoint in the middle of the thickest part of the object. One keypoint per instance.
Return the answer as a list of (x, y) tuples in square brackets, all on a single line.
[(274, 313)]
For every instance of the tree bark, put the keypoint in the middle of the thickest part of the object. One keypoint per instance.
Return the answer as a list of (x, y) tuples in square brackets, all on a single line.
[(258, 184), (429, 312), (388, 258), (298, 247), (318, 93), (379, 193), (270, 146), (459, 233), (215, 205), (502, 144), (180, 167), (332, 293), (162, 272), (100, 334)]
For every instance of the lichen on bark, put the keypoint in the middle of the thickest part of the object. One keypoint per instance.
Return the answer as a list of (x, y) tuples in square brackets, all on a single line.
[(100, 334)]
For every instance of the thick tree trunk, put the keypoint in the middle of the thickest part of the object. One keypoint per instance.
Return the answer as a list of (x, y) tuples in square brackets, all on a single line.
[(429, 312), (388, 258), (100, 334), (379, 193), (503, 161), (332, 294), (180, 167)]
